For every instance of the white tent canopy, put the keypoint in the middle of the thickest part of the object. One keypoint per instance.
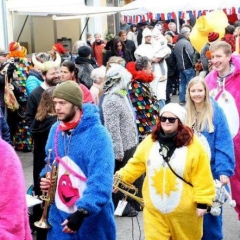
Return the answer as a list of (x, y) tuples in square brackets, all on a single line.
[(58, 8)]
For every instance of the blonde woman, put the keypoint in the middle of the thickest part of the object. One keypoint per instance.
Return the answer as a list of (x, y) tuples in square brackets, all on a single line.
[(210, 124)]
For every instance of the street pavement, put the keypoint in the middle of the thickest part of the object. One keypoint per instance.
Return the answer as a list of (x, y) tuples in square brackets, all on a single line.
[(132, 228)]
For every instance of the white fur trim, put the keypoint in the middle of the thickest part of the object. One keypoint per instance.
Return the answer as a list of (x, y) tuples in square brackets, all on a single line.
[(169, 199)]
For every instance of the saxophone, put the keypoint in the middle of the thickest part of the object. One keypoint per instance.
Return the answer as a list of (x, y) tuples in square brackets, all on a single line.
[(48, 196)]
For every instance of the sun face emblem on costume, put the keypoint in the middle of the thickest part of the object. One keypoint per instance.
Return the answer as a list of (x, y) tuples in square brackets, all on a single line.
[(67, 193), (169, 185)]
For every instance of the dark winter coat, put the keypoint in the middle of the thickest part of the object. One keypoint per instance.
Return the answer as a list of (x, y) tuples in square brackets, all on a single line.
[(171, 62), (40, 131), (32, 104), (130, 45), (184, 52)]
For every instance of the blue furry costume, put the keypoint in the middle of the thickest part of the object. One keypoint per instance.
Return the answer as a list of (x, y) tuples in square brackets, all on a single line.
[(222, 163), (89, 152)]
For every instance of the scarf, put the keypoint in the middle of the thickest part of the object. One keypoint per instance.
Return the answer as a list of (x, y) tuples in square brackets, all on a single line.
[(139, 75), (120, 54), (167, 145), (66, 126)]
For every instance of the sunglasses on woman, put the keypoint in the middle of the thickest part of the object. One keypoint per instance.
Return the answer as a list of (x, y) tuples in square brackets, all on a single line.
[(170, 119)]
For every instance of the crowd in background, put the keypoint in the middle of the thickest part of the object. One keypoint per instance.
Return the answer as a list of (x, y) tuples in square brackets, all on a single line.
[(131, 78)]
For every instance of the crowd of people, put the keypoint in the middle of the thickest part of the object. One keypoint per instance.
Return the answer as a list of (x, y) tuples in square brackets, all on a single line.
[(105, 111)]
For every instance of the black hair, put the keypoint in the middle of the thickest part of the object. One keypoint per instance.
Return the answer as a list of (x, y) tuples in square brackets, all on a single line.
[(116, 40), (71, 68)]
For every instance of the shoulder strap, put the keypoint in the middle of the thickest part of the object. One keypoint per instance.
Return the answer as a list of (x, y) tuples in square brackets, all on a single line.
[(177, 174)]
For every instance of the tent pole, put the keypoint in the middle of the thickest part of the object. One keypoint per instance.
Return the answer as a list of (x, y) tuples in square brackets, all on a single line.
[(22, 28), (32, 35), (84, 28)]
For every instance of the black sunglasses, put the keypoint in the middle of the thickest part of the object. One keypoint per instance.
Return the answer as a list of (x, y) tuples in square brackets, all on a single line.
[(170, 119)]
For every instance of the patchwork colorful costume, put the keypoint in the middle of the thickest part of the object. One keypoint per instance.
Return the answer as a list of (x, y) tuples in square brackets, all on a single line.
[(85, 178), (226, 92), (22, 138), (143, 100), (222, 163), (170, 203)]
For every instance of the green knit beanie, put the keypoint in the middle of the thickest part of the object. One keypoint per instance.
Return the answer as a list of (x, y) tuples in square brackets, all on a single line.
[(69, 91)]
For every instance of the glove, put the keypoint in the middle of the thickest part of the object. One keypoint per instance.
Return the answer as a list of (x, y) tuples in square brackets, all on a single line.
[(10, 70), (75, 220)]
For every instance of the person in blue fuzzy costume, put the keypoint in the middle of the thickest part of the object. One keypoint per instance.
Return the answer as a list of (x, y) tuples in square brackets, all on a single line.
[(209, 122), (82, 147)]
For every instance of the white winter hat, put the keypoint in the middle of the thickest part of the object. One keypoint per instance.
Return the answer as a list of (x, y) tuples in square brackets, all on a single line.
[(175, 109), (146, 32)]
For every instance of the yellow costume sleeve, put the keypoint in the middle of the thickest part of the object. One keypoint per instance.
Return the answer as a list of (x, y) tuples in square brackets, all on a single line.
[(202, 180), (136, 166)]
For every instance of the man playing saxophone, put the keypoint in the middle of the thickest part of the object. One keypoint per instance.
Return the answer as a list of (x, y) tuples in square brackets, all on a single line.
[(82, 207)]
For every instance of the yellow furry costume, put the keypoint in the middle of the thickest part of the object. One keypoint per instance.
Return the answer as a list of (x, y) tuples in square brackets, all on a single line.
[(170, 203)]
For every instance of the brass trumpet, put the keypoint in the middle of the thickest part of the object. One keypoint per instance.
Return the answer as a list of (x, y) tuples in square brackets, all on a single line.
[(48, 196), (118, 184)]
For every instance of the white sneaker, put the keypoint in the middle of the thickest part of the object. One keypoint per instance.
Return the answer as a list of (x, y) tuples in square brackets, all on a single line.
[(162, 78)]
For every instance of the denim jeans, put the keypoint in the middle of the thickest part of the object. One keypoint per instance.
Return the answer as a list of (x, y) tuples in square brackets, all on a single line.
[(185, 76)]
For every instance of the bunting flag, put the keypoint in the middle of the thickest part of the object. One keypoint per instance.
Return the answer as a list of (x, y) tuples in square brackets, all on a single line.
[(173, 15), (181, 14), (150, 16), (144, 19), (169, 16), (199, 14)]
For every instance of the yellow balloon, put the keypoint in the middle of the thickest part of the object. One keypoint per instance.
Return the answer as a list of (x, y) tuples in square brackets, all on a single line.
[(215, 21)]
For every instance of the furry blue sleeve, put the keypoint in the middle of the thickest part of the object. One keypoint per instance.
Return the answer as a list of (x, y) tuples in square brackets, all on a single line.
[(99, 161), (221, 144)]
